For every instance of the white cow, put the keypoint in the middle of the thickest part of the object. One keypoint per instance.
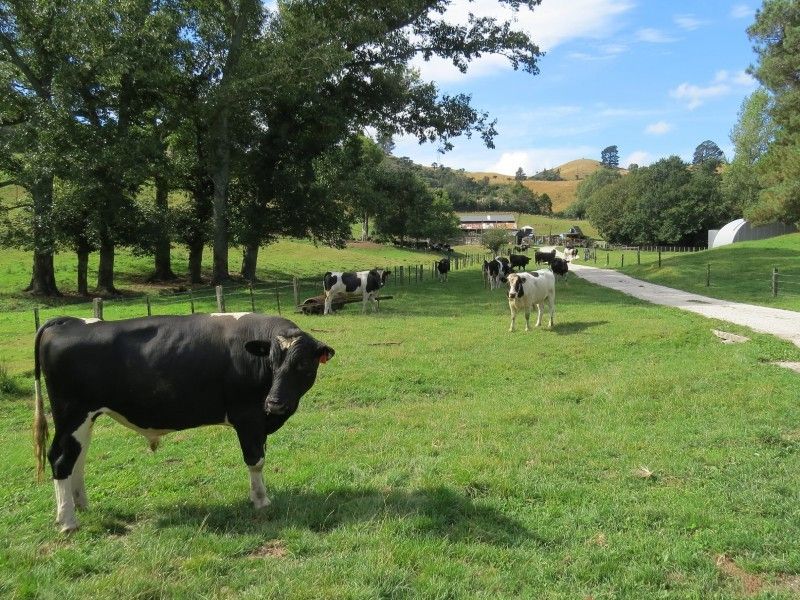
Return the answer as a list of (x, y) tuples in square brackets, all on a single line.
[(528, 289)]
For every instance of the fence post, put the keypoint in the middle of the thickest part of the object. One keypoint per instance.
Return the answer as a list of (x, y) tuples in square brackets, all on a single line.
[(36, 317), (774, 281), (622, 260), (606, 258), (659, 258), (708, 275), (191, 300), (149, 308), (252, 300), (402, 279), (277, 296), (639, 255), (296, 292), (97, 308), (220, 299)]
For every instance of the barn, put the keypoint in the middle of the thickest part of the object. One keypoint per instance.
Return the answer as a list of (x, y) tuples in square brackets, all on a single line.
[(473, 225), (741, 230)]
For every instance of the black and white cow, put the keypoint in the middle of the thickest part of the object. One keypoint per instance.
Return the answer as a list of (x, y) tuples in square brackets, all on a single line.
[(162, 374), (496, 270), (367, 283), (559, 266), (526, 290), (443, 268)]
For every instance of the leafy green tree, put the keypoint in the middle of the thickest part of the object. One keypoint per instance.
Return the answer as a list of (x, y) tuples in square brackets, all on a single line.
[(708, 153), (495, 239), (519, 175), (586, 188), (610, 157), (548, 175), (774, 35)]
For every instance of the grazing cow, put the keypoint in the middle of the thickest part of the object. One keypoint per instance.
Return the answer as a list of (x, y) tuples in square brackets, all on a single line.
[(367, 283), (559, 266), (162, 374), (526, 290), (519, 260), (544, 257), (443, 268)]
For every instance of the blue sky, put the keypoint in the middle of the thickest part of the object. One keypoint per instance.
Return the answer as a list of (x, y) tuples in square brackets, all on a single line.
[(652, 77)]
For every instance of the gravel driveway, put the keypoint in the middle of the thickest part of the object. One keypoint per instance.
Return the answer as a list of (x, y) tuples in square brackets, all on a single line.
[(777, 321)]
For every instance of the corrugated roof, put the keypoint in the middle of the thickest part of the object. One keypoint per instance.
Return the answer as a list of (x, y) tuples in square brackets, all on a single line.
[(490, 218)]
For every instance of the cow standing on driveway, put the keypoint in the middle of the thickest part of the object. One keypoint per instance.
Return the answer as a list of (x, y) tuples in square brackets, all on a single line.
[(367, 283), (162, 374)]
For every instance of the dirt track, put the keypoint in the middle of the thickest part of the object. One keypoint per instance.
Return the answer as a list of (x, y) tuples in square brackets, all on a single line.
[(776, 321)]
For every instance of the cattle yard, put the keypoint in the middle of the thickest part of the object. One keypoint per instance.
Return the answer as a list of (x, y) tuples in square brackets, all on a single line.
[(624, 453)]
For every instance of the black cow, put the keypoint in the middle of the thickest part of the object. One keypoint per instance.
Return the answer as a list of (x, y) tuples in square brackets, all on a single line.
[(559, 266), (519, 260), (544, 257), (368, 283), (162, 374), (443, 268)]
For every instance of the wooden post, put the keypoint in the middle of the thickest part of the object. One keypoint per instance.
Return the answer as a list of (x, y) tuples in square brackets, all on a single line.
[(252, 299), (774, 282), (622, 260), (191, 300), (606, 258), (296, 292), (408, 270), (708, 274), (639, 255), (402, 278), (416, 273), (220, 299), (97, 308), (36, 317), (659, 258), (277, 296), (149, 308)]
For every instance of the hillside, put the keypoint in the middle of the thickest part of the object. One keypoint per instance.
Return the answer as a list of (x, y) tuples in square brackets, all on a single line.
[(562, 193)]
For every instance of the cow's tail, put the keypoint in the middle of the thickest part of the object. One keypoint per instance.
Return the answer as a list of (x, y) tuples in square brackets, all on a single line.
[(41, 435)]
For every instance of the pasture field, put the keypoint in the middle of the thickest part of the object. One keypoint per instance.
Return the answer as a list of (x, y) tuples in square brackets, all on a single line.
[(624, 454), (741, 272)]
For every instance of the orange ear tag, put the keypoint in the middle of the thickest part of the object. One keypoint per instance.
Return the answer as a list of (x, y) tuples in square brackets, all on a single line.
[(323, 358)]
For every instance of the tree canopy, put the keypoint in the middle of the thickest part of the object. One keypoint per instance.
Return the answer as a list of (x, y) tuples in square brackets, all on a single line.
[(610, 157)]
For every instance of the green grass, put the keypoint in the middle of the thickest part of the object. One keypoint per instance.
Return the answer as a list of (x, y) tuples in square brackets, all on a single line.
[(740, 272), (439, 456), (543, 225)]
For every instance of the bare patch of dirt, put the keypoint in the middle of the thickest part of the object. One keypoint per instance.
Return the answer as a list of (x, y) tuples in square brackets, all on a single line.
[(751, 584), (272, 549)]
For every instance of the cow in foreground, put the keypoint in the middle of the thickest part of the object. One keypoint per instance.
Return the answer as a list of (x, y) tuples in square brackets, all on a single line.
[(367, 283), (162, 374), (526, 290), (443, 268)]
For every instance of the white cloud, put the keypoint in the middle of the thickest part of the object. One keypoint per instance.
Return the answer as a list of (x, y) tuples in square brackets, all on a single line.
[(742, 11), (639, 157), (654, 36), (549, 25), (688, 22), (722, 84), (659, 128), (533, 160)]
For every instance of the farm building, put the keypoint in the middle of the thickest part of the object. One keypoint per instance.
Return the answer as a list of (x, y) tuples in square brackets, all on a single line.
[(472, 226), (740, 231)]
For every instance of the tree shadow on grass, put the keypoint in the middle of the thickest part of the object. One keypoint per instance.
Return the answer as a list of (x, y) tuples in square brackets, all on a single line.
[(437, 512), (573, 327)]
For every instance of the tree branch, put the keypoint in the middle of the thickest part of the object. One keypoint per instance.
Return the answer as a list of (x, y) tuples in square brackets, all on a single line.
[(17, 61)]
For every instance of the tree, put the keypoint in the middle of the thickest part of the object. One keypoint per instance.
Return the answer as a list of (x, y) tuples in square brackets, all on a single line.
[(774, 35), (586, 188), (495, 239), (609, 157), (709, 154), (519, 175)]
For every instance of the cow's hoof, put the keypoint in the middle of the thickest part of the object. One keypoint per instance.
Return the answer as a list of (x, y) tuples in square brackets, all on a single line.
[(259, 503), (81, 504), (68, 528)]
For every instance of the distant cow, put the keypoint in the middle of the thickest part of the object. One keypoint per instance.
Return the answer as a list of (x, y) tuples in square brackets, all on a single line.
[(526, 290), (570, 254), (559, 266), (443, 268), (367, 283), (496, 270), (544, 257), (162, 374), (519, 260)]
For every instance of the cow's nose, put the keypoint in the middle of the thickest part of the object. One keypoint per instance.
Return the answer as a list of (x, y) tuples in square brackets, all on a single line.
[(274, 408)]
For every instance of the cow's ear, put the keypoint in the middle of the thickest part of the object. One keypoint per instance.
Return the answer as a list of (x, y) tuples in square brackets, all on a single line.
[(324, 354), (258, 347)]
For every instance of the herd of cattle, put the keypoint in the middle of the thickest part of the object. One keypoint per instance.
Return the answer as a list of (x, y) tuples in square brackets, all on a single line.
[(161, 374)]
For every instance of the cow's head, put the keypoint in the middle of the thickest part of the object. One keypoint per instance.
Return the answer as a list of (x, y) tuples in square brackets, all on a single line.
[(384, 275), (295, 357), (516, 285)]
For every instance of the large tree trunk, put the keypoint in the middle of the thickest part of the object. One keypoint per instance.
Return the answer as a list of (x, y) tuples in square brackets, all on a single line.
[(196, 262), (249, 261), (105, 274), (163, 264), (43, 278), (220, 172), (365, 228), (83, 271)]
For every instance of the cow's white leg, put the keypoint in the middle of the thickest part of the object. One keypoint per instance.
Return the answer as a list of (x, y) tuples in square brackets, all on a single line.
[(528, 319), (65, 505), (538, 314), (83, 436), (328, 299), (513, 317), (552, 305), (258, 493), (364, 304)]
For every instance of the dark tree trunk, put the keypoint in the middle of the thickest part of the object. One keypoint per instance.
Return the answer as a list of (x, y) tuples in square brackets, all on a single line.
[(196, 262), (365, 228), (220, 172), (249, 261), (83, 271), (43, 278), (163, 264), (105, 274)]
